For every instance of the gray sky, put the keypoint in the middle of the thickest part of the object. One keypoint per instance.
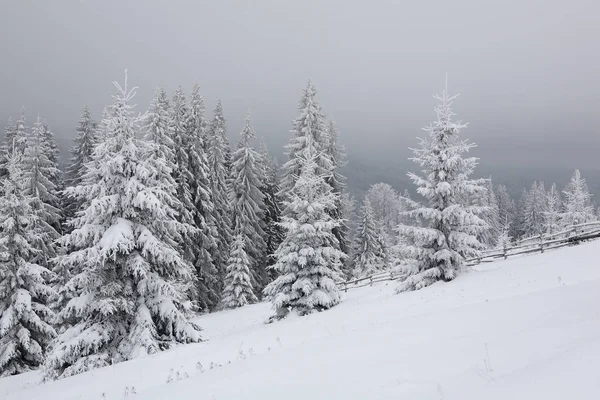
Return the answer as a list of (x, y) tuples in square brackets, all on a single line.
[(528, 71)]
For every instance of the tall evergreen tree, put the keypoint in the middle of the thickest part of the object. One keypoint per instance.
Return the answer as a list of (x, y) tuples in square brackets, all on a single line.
[(25, 318), (337, 154), (490, 214), (449, 228), (368, 255), (578, 207), (532, 210), (238, 291), (308, 259), (10, 132), (248, 204), (209, 281), (218, 149), (507, 214), (272, 215), (553, 210), (131, 280)]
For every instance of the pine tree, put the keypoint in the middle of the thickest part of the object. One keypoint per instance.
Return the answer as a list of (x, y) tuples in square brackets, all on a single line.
[(209, 281), (449, 228), (247, 203), (533, 208), (10, 132), (25, 330), (308, 259), (37, 173), (218, 149), (309, 125), (369, 252), (81, 154), (553, 210), (506, 211), (337, 181), (386, 207), (238, 287), (272, 215), (131, 280), (491, 215), (577, 206)]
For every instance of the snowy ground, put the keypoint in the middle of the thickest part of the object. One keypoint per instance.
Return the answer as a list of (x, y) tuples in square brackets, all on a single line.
[(524, 328)]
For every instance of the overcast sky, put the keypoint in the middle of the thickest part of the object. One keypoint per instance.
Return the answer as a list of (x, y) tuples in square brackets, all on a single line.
[(528, 71)]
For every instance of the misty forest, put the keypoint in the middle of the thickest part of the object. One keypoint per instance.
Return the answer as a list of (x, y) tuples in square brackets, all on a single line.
[(157, 218)]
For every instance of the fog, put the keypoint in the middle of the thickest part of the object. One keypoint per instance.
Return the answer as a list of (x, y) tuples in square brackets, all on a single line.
[(528, 71)]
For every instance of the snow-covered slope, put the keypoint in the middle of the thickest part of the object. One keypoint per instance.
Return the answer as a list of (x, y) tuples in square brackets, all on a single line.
[(524, 328)]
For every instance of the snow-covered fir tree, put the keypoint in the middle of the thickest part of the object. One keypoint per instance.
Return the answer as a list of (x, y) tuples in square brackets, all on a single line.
[(553, 210), (204, 243), (238, 290), (310, 124), (10, 130), (338, 157), (487, 201), (532, 209), (386, 207), (131, 280), (368, 255), (81, 153), (247, 202), (272, 214), (506, 211), (218, 150), (25, 318), (448, 228), (349, 216), (308, 259), (53, 153), (37, 173), (578, 208)]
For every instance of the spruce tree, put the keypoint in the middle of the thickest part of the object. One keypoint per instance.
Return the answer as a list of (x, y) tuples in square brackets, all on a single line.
[(272, 215), (238, 289), (337, 181), (368, 255), (553, 210), (131, 280), (209, 281), (532, 210), (449, 227), (218, 150), (578, 207), (6, 149), (247, 202), (25, 318), (308, 259), (507, 214)]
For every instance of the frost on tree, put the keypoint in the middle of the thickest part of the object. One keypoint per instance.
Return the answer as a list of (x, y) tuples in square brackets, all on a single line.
[(487, 200), (553, 210), (219, 162), (25, 318), (507, 215), (337, 181), (447, 227), (532, 209), (130, 290), (238, 289), (81, 154), (203, 244), (272, 214), (308, 259), (578, 207), (247, 202), (368, 256)]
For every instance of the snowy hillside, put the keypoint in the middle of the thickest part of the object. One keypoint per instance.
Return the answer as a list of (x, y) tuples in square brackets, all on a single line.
[(524, 328)]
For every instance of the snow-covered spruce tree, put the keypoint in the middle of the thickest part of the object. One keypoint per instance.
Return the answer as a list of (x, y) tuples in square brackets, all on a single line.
[(6, 149), (386, 208), (368, 255), (238, 290), (532, 210), (131, 282), (553, 210), (487, 201), (310, 124), (578, 207), (349, 216), (337, 154), (218, 149), (247, 203), (272, 214), (209, 281), (81, 154), (448, 228), (25, 318), (507, 214), (308, 259)]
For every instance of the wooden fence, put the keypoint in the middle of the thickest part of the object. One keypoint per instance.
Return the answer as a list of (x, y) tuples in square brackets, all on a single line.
[(534, 244)]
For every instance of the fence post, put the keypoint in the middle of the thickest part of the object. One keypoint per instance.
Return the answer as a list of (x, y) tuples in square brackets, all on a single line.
[(505, 255), (371, 280), (346, 287), (541, 243)]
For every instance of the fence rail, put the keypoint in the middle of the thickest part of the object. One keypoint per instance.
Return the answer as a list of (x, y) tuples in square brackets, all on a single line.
[(534, 244)]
